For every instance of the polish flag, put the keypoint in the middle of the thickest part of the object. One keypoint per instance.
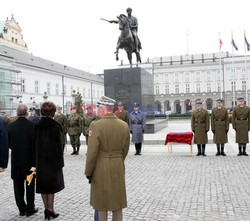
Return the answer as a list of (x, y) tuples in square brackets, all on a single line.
[(220, 43), (190, 103)]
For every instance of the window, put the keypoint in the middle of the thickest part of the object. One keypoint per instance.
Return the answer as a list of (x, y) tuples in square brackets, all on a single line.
[(209, 87), (176, 88), (12, 39), (218, 87), (16, 40), (83, 92), (232, 70), (23, 85), (198, 88), (88, 93), (208, 72), (243, 69), (157, 89), (176, 74), (48, 88), (36, 87), (187, 73), (197, 73), (243, 85), (233, 86), (65, 90), (57, 89), (187, 88), (166, 89), (187, 79)]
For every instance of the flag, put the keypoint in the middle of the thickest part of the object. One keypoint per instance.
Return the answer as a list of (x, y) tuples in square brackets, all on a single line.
[(235, 46), (220, 41), (204, 102), (190, 103), (248, 45)]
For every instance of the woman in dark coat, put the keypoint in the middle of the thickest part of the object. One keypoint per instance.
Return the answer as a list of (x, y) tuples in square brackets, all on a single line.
[(49, 158)]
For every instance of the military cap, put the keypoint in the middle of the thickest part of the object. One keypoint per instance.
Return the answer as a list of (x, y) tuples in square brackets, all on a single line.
[(120, 103), (136, 105), (219, 100), (88, 107), (240, 98), (73, 108), (106, 101), (129, 9), (32, 109), (59, 108), (199, 102), (2, 112)]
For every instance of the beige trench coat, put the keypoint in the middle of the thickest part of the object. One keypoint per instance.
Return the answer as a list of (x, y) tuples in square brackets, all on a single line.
[(108, 146), (220, 125), (200, 126), (241, 123)]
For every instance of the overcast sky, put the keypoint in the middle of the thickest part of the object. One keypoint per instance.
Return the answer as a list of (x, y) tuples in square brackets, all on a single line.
[(71, 32)]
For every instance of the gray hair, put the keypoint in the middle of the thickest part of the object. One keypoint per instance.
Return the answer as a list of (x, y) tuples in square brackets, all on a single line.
[(22, 110)]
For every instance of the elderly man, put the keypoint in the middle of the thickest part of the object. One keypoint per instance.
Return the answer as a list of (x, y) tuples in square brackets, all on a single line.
[(33, 116), (200, 127), (4, 149), (219, 126), (241, 124), (137, 123), (21, 141), (107, 149)]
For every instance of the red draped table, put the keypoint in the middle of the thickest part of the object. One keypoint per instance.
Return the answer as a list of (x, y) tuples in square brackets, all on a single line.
[(179, 137)]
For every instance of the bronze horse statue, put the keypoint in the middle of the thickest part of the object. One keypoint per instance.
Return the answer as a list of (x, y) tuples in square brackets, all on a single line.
[(126, 40)]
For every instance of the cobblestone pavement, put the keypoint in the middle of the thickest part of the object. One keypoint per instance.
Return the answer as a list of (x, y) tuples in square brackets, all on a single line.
[(160, 186)]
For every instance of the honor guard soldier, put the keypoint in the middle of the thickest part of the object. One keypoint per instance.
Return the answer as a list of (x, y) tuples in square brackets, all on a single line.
[(200, 127), (107, 149), (137, 122), (88, 118), (74, 130), (241, 124), (220, 126), (121, 113), (62, 119)]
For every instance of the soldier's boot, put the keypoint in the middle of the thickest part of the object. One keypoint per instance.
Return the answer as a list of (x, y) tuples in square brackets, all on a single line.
[(139, 148), (136, 149), (218, 150), (203, 150), (244, 150), (199, 150), (77, 150), (222, 150), (240, 150), (74, 151)]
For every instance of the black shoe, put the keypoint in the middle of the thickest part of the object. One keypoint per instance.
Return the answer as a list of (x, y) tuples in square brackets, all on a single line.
[(30, 213), (239, 154), (77, 153), (73, 153), (22, 213), (244, 154), (136, 153), (48, 214), (223, 154), (218, 154), (198, 154)]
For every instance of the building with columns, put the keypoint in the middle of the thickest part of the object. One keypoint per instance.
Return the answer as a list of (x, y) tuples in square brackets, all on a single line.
[(182, 80)]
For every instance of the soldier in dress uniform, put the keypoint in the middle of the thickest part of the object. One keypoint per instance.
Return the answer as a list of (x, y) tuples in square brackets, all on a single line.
[(88, 118), (62, 119), (121, 113), (137, 122), (107, 149), (74, 130), (200, 127), (220, 126), (241, 124)]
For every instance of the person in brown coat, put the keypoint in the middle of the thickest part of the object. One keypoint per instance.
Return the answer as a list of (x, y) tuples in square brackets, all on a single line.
[(121, 113), (200, 127), (108, 147), (241, 124), (220, 126)]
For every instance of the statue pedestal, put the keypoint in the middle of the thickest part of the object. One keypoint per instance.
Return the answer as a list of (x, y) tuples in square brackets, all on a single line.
[(130, 85)]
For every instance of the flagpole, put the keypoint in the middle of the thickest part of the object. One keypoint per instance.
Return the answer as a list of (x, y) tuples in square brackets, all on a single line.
[(220, 69), (187, 44), (246, 67), (234, 84)]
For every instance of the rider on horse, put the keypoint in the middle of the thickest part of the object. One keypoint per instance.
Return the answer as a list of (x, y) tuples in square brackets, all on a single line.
[(133, 23)]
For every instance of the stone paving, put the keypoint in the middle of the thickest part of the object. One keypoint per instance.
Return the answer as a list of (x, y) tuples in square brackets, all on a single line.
[(160, 186)]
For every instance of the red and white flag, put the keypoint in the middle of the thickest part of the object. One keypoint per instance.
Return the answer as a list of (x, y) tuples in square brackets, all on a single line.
[(220, 41), (190, 103), (204, 102)]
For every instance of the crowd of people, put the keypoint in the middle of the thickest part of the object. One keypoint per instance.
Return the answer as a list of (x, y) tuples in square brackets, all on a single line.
[(37, 144)]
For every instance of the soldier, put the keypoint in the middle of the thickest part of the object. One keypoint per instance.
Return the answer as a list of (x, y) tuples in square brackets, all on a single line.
[(88, 118), (107, 149), (33, 116), (137, 122), (220, 126), (200, 127), (241, 124), (121, 113), (62, 119), (74, 130)]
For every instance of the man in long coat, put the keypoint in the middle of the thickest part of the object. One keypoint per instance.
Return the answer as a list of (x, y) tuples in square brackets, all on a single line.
[(241, 124), (220, 126), (121, 113), (62, 119), (137, 123), (200, 127), (4, 149), (107, 149), (21, 143)]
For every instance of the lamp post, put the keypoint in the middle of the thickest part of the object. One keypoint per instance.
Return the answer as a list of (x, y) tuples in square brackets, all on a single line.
[(45, 96)]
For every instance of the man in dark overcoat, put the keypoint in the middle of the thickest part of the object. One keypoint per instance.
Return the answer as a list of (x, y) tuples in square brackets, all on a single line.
[(21, 143), (4, 149), (137, 123), (220, 126), (241, 124)]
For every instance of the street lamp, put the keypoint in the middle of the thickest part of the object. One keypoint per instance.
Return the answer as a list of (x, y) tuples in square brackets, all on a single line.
[(45, 96)]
